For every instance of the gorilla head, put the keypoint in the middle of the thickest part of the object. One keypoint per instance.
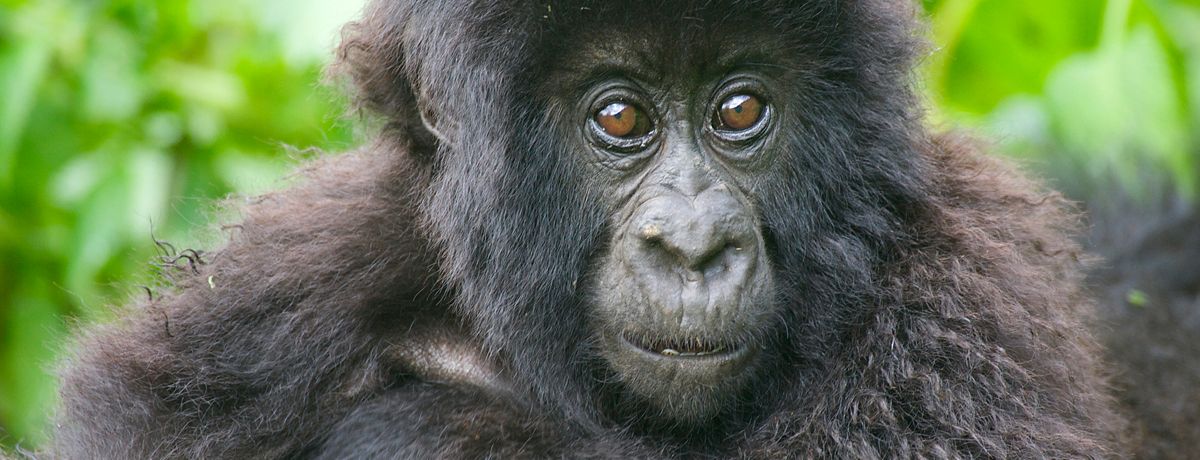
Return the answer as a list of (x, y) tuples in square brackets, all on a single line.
[(647, 195)]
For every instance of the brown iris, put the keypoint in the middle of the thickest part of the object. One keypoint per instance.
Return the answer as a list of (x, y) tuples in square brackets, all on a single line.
[(623, 121), (739, 112)]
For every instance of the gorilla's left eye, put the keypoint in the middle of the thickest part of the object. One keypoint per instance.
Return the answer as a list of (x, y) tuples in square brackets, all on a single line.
[(738, 112)]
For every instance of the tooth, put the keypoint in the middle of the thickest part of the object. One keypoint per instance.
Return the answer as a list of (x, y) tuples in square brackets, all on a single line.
[(669, 352)]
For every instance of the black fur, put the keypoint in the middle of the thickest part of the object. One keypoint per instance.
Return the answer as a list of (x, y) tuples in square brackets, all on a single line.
[(428, 296)]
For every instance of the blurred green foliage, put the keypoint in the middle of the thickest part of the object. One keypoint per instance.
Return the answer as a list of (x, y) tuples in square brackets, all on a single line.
[(1094, 90), (123, 117)]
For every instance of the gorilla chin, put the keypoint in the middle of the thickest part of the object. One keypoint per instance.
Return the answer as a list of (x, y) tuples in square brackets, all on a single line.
[(687, 383)]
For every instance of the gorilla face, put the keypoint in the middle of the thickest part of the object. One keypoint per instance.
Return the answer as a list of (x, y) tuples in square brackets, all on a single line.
[(659, 219), (684, 287)]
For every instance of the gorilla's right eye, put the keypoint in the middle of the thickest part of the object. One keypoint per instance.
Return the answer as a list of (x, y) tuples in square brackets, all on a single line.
[(623, 121)]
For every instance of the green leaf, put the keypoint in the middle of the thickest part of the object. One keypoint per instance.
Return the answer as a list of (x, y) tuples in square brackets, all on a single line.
[(1009, 47), (24, 64), (1156, 122), (78, 179), (149, 176), (112, 88), (98, 234), (203, 86), (30, 330), (250, 174), (1121, 108)]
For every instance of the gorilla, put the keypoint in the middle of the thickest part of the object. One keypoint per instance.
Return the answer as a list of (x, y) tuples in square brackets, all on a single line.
[(621, 229)]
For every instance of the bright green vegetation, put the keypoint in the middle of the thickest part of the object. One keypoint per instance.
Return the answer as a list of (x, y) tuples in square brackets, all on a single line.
[(1094, 90), (123, 118)]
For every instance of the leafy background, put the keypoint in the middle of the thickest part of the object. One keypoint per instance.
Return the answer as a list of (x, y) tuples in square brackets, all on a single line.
[(123, 121)]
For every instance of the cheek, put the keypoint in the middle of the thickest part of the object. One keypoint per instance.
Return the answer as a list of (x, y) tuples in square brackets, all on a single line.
[(620, 298)]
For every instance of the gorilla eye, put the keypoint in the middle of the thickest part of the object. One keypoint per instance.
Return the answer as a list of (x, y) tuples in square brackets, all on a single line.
[(623, 121), (739, 112)]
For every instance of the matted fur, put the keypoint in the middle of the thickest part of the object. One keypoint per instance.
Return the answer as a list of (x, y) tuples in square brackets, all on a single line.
[(933, 295)]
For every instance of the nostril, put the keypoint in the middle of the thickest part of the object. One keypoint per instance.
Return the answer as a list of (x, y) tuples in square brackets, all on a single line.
[(651, 237), (713, 259)]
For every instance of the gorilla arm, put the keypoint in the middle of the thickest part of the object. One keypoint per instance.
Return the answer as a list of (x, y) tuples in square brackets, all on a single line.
[(298, 338), (461, 408)]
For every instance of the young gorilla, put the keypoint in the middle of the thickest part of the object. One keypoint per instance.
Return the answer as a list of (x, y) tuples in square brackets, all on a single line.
[(620, 229)]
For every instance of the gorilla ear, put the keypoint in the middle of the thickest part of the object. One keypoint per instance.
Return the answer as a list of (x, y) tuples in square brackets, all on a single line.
[(372, 59)]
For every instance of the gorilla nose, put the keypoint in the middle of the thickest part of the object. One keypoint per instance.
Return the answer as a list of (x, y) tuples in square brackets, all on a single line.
[(698, 251), (702, 238)]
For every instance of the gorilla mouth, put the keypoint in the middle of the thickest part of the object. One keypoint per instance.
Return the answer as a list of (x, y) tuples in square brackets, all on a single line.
[(682, 348)]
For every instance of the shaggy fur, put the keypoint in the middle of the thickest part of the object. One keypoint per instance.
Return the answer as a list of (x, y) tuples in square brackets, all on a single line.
[(933, 299)]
